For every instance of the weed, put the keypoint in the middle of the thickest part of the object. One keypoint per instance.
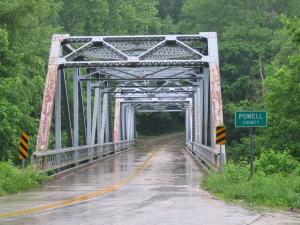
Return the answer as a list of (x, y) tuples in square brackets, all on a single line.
[(279, 190), (13, 179)]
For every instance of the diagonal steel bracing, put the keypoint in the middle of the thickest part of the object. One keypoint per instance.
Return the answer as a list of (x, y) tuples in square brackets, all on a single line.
[(145, 73)]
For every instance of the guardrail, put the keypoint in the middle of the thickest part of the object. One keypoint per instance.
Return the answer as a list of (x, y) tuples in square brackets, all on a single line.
[(57, 159), (205, 154)]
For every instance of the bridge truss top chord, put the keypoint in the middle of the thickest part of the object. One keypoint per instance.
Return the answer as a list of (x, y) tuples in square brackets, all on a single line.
[(145, 73)]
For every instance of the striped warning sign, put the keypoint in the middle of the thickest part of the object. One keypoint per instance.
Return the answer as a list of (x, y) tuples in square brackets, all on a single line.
[(220, 135), (23, 146)]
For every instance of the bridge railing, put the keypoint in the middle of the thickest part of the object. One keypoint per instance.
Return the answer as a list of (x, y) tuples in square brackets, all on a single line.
[(62, 158), (205, 154)]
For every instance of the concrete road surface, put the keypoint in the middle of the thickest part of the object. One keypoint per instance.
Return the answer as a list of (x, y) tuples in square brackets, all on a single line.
[(156, 184)]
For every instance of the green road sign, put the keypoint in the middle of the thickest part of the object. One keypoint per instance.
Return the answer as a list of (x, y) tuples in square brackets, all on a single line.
[(250, 119)]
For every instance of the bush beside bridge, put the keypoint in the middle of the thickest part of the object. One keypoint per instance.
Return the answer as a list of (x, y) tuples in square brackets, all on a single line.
[(275, 183), (14, 180)]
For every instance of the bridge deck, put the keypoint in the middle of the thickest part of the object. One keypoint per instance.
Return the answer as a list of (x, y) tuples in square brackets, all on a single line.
[(158, 183)]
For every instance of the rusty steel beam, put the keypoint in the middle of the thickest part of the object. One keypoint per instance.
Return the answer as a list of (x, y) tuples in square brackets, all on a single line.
[(117, 122), (133, 68), (49, 92), (215, 90)]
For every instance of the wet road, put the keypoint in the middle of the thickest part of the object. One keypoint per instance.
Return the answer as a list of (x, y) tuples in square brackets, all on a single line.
[(158, 183)]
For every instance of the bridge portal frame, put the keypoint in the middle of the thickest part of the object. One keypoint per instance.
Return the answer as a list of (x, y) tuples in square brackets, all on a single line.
[(204, 111)]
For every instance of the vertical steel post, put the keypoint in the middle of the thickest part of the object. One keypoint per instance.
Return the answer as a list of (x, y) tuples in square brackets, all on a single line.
[(58, 112), (123, 120), (206, 104), (191, 119), (189, 123), (99, 118), (134, 125), (95, 114), (75, 107), (75, 110), (81, 110), (89, 117), (49, 93), (200, 110), (117, 121), (107, 125), (103, 119), (186, 125), (131, 124), (198, 113), (215, 88), (196, 102), (127, 123), (66, 108)]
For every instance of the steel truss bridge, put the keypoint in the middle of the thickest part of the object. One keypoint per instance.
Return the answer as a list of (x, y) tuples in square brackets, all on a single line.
[(115, 77)]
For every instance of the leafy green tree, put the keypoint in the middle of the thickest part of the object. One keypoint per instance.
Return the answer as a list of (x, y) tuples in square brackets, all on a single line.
[(170, 8), (8, 67), (83, 17), (247, 43), (283, 93), (26, 28), (110, 17), (29, 24), (16, 109)]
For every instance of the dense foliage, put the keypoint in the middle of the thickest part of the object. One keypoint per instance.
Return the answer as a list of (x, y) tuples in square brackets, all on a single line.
[(276, 182), (259, 56), (164, 123), (13, 180), (109, 17)]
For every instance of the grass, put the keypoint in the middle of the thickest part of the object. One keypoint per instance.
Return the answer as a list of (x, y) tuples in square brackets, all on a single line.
[(275, 190), (14, 180)]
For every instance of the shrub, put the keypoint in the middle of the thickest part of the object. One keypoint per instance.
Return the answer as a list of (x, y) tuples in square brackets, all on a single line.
[(265, 188), (271, 162), (236, 173), (13, 180)]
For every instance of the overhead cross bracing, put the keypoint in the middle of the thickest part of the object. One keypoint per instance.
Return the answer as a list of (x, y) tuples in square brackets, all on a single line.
[(153, 73)]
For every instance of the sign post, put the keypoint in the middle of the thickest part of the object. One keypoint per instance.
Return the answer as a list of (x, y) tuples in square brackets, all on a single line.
[(251, 119), (251, 151)]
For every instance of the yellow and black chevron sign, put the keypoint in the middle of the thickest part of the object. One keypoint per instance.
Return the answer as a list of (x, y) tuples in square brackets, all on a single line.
[(23, 146), (220, 135)]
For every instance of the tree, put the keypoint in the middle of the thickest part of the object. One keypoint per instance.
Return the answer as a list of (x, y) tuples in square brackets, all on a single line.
[(283, 93), (110, 17), (246, 45), (26, 28), (30, 24), (170, 8), (15, 101)]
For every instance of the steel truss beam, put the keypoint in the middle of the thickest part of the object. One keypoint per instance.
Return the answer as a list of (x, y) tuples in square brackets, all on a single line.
[(154, 73)]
